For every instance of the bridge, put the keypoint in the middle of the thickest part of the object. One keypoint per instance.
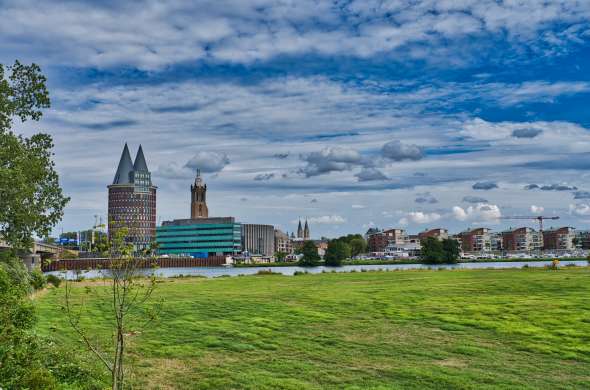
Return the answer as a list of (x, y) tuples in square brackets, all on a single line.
[(38, 253)]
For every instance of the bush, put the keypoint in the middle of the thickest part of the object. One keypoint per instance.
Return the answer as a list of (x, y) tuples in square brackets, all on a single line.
[(266, 272), (54, 280), (299, 273), (38, 280)]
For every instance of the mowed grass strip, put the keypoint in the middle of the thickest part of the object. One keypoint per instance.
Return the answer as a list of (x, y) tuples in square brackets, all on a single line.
[(472, 329)]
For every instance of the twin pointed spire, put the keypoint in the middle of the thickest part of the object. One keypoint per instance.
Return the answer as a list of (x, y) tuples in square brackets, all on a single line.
[(126, 166), (303, 232), (140, 164)]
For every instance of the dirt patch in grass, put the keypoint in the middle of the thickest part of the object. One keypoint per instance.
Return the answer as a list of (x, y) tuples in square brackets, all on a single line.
[(451, 362), (162, 373)]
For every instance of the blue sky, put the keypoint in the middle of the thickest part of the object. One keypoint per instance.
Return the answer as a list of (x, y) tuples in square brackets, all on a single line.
[(350, 113)]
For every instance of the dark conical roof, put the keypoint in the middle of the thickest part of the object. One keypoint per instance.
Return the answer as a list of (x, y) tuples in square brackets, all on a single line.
[(124, 168), (140, 164)]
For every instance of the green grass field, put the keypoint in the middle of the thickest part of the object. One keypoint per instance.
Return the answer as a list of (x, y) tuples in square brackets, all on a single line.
[(473, 329)]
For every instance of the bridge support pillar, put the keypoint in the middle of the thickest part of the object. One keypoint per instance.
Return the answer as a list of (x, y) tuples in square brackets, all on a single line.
[(32, 261)]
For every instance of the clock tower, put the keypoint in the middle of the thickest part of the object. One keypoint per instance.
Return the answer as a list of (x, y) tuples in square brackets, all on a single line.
[(199, 198)]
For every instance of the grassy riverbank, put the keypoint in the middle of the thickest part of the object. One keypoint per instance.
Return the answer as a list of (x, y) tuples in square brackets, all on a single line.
[(519, 328), (399, 261)]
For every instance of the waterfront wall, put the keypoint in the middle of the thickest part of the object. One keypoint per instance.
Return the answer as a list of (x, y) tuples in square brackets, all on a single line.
[(98, 263)]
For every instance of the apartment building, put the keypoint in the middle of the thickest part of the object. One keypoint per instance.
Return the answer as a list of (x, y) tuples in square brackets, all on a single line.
[(583, 239), (378, 241), (522, 239), (283, 242), (497, 242), (441, 234), (476, 240), (560, 239)]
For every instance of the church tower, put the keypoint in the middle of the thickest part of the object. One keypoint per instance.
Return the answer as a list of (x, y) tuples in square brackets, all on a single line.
[(306, 234), (299, 230), (198, 198)]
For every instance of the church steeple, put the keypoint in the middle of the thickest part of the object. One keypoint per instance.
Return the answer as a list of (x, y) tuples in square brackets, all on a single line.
[(299, 230), (199, 198), (306, 231)]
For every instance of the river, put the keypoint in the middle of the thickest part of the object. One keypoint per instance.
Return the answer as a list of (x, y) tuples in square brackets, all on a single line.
[(212, 272)]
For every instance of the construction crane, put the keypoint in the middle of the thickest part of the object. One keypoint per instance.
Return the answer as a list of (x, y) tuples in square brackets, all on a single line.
[(538, 218)]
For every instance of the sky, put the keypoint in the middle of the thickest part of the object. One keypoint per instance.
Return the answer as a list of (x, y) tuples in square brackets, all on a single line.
[(353, 114)]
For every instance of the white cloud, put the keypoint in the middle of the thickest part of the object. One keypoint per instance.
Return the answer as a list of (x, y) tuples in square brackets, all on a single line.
[(327, 220), (537, 209), (569, 137), (330, 159), (209, 162), (481, 212), (419, 217), (152, 35), (398, 151), (370, 174), (580, 209), (358, 206)]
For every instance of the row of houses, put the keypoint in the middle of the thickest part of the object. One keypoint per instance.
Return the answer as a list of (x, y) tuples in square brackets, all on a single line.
[(523, 239)]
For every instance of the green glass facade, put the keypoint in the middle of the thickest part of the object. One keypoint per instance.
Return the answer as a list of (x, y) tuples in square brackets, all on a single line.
[(199, 238)]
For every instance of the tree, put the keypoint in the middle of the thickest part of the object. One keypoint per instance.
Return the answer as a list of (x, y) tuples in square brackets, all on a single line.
[(356, 242), (128, 302), (310, 255), (358, 245), (336, 252), (432, 250), (451, 250), (435, 251), (281, 256), (20, 362), (31, 200)]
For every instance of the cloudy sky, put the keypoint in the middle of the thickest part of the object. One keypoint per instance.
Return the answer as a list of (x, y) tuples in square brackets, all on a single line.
[(415, 113)]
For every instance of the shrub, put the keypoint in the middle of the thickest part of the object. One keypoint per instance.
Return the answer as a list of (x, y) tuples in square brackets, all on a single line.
[(54, 280), (38, 280), (266, 272), (554, 264), (296, 273)]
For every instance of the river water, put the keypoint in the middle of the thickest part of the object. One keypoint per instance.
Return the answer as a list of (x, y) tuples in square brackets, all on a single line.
[(212, 272)]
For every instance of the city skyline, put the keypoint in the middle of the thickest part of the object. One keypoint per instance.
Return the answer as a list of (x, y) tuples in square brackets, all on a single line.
[(352, 115)]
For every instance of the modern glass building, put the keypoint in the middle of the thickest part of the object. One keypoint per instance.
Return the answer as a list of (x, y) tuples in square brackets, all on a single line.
[(199, 238)]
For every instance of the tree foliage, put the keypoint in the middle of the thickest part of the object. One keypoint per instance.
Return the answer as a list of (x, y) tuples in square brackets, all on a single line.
[(31, 200), (355, 242), (19, 363), (281, 256), (336, 252), (451, 250), (310, 255), (358, 245), (435, 251), (27, 361)]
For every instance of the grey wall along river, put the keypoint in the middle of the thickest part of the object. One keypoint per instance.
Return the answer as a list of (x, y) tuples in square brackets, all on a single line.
[(212, 272)]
